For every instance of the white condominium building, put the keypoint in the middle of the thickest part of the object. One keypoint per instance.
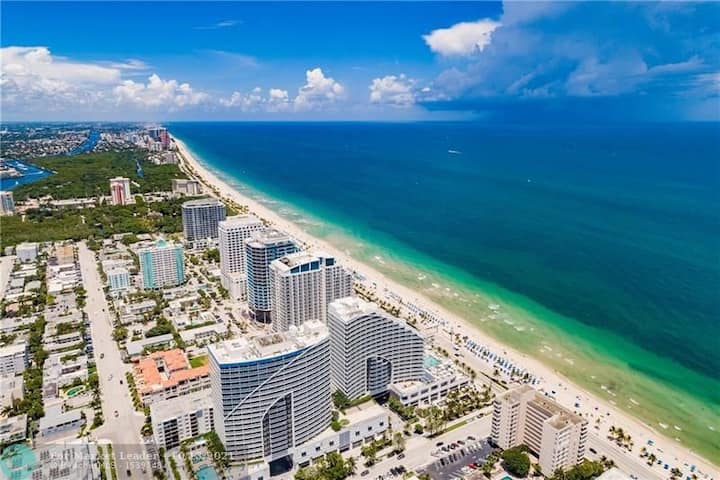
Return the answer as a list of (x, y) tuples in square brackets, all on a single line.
[(184, 186), (201, 217), (301, 286), (13, 359), (552, 432), (181, 418), (120, 191), (232, 234), (27, 251), (371, 349), (7, 204), (162, 265), (118, 278), (260, 250), (271, 393)]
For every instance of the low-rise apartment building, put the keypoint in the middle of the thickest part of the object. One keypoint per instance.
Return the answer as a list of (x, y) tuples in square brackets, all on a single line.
[(167, 374)]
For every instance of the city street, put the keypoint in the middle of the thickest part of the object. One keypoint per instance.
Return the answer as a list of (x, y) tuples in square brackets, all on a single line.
[(122, 431), (6, 266)]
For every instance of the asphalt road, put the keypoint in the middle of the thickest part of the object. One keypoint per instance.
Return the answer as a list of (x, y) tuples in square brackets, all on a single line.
[(6, 266), (122, 431), (628, 462)]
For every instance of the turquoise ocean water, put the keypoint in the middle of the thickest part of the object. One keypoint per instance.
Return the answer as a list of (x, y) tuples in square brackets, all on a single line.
[(601, 242)]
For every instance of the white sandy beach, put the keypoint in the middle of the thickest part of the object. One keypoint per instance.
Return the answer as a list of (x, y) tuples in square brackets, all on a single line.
[(567, 393)]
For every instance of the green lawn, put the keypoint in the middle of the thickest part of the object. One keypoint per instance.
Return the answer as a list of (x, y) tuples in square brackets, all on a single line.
[(198, 361)]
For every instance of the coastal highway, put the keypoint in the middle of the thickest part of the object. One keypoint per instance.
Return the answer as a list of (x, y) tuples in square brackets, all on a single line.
[(122, 431), (628, 462)]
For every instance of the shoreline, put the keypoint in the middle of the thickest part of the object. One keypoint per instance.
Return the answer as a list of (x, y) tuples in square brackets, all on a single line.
[(568, 392)]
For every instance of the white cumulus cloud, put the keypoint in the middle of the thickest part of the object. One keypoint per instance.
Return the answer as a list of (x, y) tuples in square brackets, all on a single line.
[(32, 75), (318, 91), (393, 90), (247, 102), (276, 100), (158, 93), (463, 38)]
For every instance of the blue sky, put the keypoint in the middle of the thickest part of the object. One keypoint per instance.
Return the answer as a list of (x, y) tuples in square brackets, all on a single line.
[(360, 61)]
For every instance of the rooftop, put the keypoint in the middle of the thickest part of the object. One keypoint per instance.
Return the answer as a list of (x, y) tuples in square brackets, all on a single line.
[(165, 369), (267, 237), (202, 202), (55, 416), (240, 220), (175, 407), (297, 259), (349, 308), (13, 349), (137, 346), (558, 415), (255, 348), (159, 244)]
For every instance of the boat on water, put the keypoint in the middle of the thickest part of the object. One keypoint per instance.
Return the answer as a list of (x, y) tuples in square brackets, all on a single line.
[(455, 152)]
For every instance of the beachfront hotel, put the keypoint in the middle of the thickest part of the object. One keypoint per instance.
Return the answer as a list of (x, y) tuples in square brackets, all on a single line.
[(120, 191), (260, 250), (371, 349), (301, 286), (552, 432), (162, 265), (200, 219), (271, 393), (232, 234)]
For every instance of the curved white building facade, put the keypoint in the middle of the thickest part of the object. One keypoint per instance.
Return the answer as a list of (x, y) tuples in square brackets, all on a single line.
[(271, 393), (371, 349)]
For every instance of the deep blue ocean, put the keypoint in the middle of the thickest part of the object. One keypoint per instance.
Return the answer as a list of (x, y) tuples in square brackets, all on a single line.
[(617, 227)]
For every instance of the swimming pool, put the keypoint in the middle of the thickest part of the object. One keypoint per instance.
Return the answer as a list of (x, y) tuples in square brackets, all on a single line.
[(431, 361), (207, 473)]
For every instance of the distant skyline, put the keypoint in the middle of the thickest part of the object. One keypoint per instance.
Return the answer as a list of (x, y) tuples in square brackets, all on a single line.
[(360, 61)]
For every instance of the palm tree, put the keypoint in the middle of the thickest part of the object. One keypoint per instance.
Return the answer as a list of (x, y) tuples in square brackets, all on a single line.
[(351, 466)]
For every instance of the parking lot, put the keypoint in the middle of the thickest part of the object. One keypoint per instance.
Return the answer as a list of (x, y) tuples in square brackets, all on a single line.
[(454, 459)]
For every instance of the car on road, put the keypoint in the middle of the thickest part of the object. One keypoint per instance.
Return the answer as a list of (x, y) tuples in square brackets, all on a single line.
[(116, 414), (121, 382), (439, 444), (401, 456), (365, 473), (102, 355), (128, 472), (592, 450), (110, 377)]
